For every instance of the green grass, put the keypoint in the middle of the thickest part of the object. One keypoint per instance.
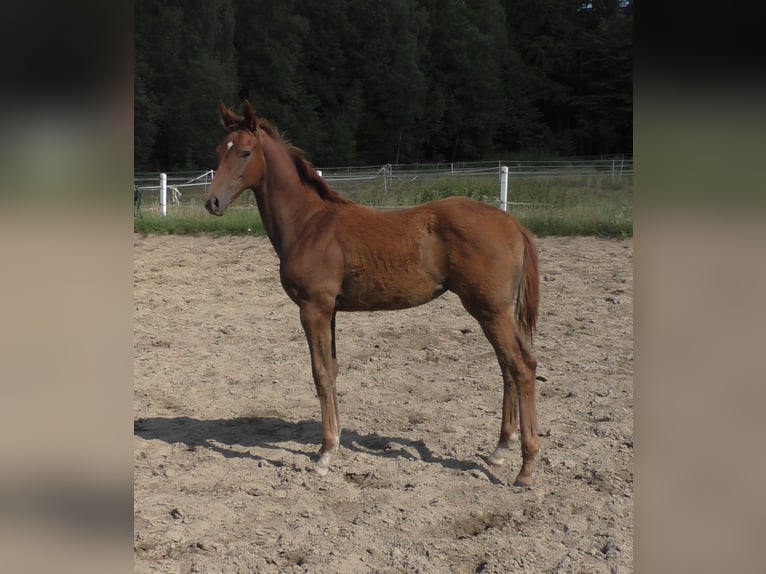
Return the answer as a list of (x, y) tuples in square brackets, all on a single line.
[(190, 221), (593, 206), (605, 211)]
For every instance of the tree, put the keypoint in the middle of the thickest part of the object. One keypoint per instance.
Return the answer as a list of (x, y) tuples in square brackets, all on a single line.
[(185, 62), (383, 81), (385, 51), (335, 86), (269, 40), (604, 103)]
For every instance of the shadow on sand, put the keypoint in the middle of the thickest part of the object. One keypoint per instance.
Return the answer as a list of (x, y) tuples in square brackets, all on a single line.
[(271, 432)]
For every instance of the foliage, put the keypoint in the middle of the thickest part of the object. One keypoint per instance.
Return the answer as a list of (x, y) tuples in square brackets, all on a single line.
[(185, 61), (379, 81)]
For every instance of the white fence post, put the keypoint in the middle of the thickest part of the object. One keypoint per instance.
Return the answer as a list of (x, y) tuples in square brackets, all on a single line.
[(319, 172), (504, 188), (164, 193)]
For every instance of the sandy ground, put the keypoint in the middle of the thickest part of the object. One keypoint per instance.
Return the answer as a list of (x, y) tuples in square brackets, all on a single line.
[(226, 423)]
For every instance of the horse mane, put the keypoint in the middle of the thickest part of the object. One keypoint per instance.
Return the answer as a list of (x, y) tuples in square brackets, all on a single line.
[(306, 171), (309, 177)]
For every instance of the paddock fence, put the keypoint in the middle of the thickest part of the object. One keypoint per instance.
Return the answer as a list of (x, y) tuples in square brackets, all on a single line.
[(393, 186)]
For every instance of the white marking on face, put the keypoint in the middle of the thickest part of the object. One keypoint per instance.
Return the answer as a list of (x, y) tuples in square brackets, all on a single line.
[(229, 145)]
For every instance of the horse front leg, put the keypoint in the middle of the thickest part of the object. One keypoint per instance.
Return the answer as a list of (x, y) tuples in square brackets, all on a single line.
[(319, 326)]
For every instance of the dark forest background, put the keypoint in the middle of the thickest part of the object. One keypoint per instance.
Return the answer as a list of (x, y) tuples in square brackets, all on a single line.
[(386, 81)]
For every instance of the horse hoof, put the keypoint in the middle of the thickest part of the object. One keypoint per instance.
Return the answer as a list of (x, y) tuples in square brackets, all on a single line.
[(525, 482), (497, 458), (322, 465)]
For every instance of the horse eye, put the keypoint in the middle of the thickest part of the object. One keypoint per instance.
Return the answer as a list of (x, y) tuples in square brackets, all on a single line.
[(244, 154)]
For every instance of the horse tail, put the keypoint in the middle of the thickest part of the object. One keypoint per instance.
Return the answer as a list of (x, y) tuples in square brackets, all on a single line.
[(528, 291)]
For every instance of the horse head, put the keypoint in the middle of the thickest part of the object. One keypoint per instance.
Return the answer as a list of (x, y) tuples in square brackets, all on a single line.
[(241, 164)]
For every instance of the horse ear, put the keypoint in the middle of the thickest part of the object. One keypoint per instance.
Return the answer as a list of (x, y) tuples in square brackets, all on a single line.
[(251, 120), (229, 119)]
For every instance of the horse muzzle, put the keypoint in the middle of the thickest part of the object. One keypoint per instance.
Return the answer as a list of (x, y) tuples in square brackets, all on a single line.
[(213, 206)]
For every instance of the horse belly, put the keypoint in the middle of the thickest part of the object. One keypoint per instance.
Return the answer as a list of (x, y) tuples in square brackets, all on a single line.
[(395, 261), (399, 289)]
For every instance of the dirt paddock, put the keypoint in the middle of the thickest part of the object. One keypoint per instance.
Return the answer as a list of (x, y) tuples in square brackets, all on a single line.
[(226, 423)]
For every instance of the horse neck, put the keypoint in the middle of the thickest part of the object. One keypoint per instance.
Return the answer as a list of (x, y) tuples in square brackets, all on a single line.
[(284, 201)]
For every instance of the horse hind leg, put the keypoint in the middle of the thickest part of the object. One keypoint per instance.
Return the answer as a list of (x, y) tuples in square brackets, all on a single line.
[(518, 366), (509, 423)]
